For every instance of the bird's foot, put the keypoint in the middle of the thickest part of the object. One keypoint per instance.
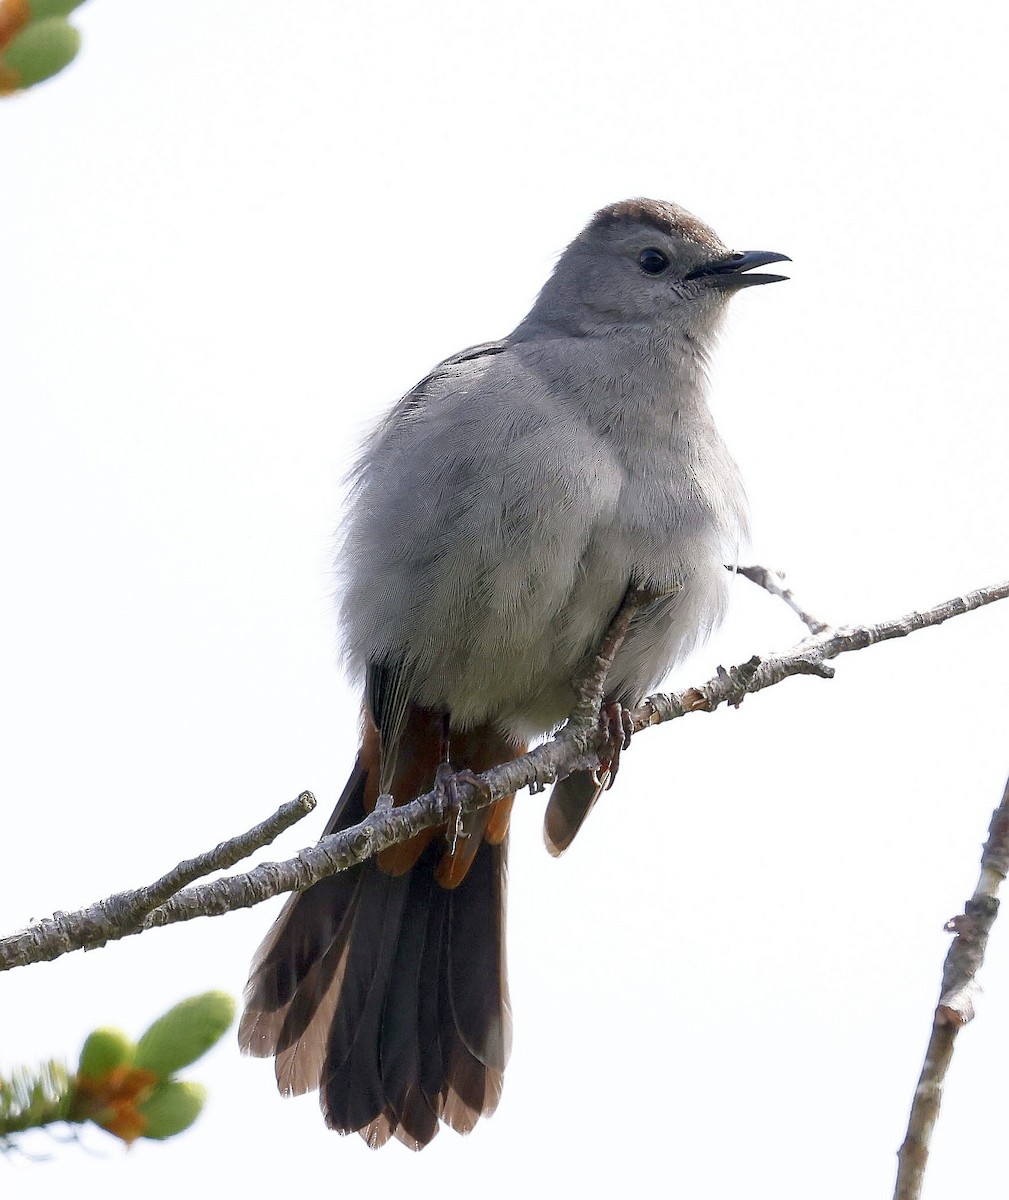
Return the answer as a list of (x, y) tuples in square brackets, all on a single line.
[(446, 784), (616, 727)]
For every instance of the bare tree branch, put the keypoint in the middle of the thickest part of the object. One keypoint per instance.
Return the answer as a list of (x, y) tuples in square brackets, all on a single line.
[(127, 908), (774, 582), (124, 912), (575, 747), (956, 1002)]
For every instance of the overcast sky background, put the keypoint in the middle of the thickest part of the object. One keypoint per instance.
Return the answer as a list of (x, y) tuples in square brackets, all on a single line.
[(234, 234)]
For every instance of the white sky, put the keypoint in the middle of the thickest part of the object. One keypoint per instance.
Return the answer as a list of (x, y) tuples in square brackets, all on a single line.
[(234, 233)]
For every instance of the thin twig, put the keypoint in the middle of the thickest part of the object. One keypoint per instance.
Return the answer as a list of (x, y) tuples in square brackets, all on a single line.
[(956, 1002), (124, 912), (129, 907), (809, 657), (774, 582), (571, 749)]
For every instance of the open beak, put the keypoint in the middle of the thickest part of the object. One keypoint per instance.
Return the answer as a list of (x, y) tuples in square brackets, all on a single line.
[(728, 272)]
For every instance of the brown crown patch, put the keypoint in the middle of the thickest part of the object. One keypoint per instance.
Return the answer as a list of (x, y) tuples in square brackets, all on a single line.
[(662, 215)]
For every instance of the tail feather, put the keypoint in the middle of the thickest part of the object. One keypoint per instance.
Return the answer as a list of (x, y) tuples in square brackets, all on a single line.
[(475, 1028), (299, 1062), (352, 1091), (386, 990), (413, 1069), (409, 1112), (570, 803), (309, 924), (326, 974), (476, 971), (433, 1058)]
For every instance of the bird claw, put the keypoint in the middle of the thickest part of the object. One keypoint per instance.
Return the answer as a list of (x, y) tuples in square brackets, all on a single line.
[(617, 727), (446, 784), (601, 778)]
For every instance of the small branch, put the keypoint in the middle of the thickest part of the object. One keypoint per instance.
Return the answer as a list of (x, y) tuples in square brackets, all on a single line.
[(124, 912), (774, 582), (956, 1002), (130, 907), (573, 748), (809, 657)]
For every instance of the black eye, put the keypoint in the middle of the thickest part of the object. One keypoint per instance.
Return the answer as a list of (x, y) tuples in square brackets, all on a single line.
[(653, 261)]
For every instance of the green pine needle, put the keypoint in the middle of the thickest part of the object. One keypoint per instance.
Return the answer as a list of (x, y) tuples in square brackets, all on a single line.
[(31, 1097)]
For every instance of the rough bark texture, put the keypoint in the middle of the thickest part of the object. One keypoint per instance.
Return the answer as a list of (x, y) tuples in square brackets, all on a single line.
[(575, 747)]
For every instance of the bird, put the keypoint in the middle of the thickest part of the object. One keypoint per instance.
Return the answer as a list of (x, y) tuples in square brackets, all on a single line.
[(498, 515)]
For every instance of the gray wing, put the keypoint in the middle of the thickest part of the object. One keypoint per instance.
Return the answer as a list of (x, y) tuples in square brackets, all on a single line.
[(473, 505)]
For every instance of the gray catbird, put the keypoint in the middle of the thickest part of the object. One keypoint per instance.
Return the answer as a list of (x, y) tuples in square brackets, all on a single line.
[(499, 515)]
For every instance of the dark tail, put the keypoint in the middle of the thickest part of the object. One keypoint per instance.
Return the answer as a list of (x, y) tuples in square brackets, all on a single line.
[(387, 992), (570, 803)]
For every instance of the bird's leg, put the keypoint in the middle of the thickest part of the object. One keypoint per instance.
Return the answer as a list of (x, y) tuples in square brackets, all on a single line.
[(614, 720), (616, 726)]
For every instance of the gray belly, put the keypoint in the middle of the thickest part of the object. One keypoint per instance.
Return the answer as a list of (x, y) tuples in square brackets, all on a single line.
[(518, 669)]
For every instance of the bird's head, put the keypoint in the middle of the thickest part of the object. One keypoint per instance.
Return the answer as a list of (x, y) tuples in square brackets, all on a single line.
[(648, 263)]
